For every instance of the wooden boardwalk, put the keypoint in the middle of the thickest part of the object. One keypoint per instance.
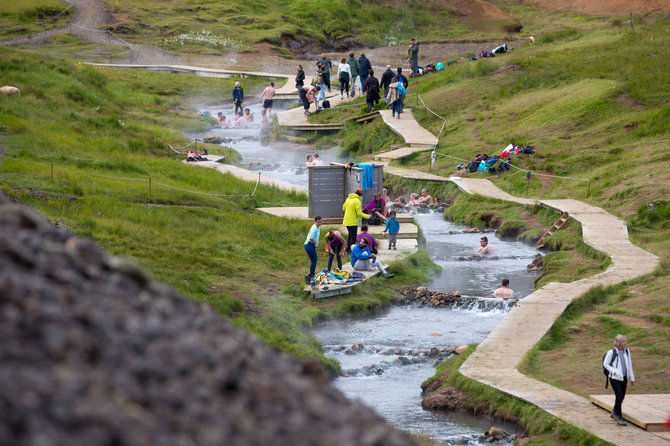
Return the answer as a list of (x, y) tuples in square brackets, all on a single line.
[(295, 119), (649, 411), (407, 128), (286, 91), (496, 359), (244, 174)]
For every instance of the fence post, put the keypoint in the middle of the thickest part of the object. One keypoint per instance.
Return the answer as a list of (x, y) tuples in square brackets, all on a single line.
[(527, 183), (149, 186), (632, 25), (52, 173), (249, 200), (588, 189), (195, 141)]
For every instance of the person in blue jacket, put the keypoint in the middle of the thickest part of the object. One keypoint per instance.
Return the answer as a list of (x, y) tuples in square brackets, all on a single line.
[(238, 97), (363, 260), (392, 228)]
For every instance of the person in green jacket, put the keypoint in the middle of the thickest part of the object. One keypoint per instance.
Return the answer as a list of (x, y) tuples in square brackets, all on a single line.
[(355, 68), (352, 210)]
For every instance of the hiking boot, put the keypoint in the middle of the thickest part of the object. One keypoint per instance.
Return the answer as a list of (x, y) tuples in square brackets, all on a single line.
[(621, 422), (394, 248), (308, 279), (612, 416), (391, 276)]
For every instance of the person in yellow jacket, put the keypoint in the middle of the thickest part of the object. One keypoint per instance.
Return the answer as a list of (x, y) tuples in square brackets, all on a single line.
[(352, 210)]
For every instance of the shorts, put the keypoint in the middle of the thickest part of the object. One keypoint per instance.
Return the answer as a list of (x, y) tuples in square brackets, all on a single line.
[(267, 103)]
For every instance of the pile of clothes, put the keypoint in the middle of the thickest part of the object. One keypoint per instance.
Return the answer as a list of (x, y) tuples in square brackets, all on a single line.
[(195, 156), (495, 164), (337, 277)]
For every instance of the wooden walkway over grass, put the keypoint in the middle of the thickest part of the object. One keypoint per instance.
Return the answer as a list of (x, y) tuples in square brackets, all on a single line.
[(286, 91), (496, 359)]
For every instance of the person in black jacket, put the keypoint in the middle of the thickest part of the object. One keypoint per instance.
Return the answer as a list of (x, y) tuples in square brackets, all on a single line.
[(238, 98), (371, 90), (300, 78), (364, 66), (386, 80)]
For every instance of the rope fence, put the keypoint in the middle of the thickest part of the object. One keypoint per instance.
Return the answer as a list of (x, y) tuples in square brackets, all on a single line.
[(148, 180), (130, 45)]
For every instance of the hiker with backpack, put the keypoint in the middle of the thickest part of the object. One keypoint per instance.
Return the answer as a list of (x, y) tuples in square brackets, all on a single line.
[(618, 367), (393, 97), (403, 83)]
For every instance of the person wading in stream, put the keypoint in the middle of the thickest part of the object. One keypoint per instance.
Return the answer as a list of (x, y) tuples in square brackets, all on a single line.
[(352, 211)]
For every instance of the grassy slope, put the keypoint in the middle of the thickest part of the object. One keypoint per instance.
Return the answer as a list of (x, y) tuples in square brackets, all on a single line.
[(591, 99), (240, 24), (19, 17), (117, 123)]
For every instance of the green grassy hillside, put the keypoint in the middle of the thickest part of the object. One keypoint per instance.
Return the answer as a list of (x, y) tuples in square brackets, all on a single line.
[(227, 25)]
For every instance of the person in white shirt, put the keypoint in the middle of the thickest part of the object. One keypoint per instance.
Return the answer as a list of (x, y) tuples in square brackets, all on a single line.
[(344, 75), (619, 365)]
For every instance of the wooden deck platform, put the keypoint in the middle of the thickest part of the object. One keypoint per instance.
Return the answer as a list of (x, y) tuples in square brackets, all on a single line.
[(405, 247), (301, 213), (649, 411)]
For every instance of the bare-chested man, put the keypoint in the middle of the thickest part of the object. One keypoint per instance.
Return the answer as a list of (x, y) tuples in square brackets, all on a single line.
[(266, 99)]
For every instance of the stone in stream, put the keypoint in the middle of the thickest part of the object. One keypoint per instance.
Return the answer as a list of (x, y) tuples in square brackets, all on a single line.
[(94, 351)]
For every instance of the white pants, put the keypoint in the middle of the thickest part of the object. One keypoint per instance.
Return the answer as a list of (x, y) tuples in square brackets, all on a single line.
[(367, 265)]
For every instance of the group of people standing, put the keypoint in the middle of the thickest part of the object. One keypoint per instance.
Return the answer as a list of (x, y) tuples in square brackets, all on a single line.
[(361, 247), (352, 71)]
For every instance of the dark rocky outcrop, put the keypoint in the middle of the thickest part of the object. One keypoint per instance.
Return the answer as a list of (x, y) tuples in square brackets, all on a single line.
[(93, 351)]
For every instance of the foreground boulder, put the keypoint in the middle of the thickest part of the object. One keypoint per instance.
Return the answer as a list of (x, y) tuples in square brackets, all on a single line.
[(93, 351)]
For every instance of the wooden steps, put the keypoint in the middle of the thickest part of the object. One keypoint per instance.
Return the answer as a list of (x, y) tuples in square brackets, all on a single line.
[(560, 223), (400, 153), (649, 411)]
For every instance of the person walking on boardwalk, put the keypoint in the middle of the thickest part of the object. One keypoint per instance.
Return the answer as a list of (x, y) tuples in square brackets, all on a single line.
[(266, 99), (404, 83), (371, 90), (386, 80), (392, 99), (619, 366), (352, 210), (413, 57), (355, 69), (238, 98), (328, 65), (300, 78), (344, 76), (319, 81), (311, 244), (364, 67)]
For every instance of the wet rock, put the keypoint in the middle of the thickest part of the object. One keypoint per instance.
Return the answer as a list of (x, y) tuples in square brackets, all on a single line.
[(423, 296), (434, 352), (402, 360), (213, 140), (118, 358), (537, 264), (446, 398), (496, 435), (357, 347), (460, 349)]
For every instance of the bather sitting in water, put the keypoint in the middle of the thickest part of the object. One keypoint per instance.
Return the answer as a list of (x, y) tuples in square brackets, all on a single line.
[(504, 291), (240, 121), (485, 249)]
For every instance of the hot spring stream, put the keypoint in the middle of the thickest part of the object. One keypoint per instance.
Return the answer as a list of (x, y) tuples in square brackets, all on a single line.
[(372, 374)]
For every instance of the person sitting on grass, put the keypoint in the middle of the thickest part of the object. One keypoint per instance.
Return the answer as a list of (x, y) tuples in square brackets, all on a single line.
[(363, 260)]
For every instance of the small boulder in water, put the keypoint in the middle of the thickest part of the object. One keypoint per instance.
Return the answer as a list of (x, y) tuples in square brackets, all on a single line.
[(212, 139), (357, 347)]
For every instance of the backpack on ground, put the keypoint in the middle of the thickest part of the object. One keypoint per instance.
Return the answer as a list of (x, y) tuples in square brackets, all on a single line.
[(605, 371), (401, 91), (326, 104)]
